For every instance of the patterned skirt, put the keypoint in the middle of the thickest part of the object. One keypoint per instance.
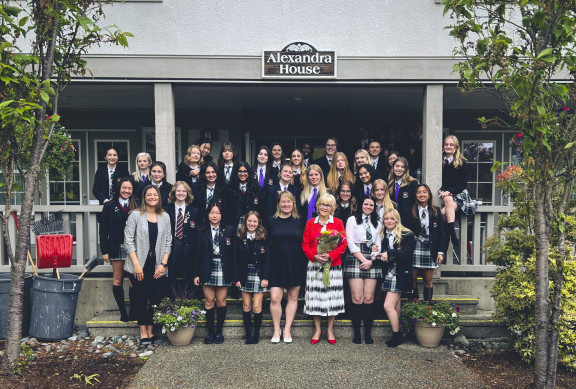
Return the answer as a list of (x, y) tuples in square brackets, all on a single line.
[(319, 299), (217, 275), (422, 256), (389, 284), (121, 254), (253, 283), (465, 202), (352, 265)]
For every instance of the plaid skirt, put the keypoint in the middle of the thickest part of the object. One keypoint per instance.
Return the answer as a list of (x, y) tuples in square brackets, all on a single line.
[(465, 202), (253, 283), (352, 265), (121, 254), (217, 275), (319, 299), (422, 256), (389, 284)]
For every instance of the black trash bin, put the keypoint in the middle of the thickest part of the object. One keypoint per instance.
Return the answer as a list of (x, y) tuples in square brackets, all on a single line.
[(54, 307), (5, 303)]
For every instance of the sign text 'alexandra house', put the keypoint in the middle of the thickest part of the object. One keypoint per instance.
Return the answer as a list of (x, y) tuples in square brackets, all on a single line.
[(299, 59)]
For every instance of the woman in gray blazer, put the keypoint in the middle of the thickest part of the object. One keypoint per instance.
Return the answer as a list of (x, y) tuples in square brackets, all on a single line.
[(148, 240)]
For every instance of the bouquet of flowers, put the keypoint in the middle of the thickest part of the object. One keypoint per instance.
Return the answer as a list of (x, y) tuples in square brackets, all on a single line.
[(326, 241), (180, 312)]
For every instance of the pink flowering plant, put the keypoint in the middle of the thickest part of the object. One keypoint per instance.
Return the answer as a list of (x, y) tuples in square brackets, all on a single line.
[(327, 241), (177, 313), (436, 314)]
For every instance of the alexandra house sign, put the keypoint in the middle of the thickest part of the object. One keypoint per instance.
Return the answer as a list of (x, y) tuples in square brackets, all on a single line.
[(300, 60)]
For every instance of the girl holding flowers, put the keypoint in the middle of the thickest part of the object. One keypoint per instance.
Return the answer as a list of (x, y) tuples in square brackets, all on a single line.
[(324, 242)]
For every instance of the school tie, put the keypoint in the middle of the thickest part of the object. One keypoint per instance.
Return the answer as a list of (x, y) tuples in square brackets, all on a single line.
[(446, 162), (329, 162), (367, 191), (283, 189), (243, 188), (179, 224), (261, 178), (368, 230), (378, 208), (312, 205), (397, 189), (215, 241), (144, 178), (210, 196), (375, 163), (111, 190), (423, 221), (228, 174)]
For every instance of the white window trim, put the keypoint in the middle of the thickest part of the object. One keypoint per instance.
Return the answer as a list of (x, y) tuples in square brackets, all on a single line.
[(495, 142), (80, 201)]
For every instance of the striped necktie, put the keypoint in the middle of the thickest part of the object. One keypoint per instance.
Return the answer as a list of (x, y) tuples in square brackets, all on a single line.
[(179, 224)]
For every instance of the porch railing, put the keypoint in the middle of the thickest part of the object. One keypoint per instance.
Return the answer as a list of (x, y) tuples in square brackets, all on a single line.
[(81, 221)]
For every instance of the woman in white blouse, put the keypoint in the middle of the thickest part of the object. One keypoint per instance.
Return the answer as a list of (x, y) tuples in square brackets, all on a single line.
[(363, 234)]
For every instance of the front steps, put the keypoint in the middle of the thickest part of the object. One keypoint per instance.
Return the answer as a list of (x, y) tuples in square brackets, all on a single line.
[(475, 324)]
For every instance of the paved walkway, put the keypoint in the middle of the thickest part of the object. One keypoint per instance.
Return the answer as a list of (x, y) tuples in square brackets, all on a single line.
[(302, 365)]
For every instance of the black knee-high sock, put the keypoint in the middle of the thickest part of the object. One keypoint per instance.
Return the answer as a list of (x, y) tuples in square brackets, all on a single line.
[(368, 319), (210, 313), (257, 325), (356, 313), (220, 317), (247, 318), (453, 236), (118, 291), (430, 293), (132, 311)]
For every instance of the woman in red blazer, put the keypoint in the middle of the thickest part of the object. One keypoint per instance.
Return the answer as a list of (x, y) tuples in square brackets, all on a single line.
[(321, 300)]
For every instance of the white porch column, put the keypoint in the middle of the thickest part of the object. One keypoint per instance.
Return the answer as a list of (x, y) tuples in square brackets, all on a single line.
[(432, 138), (165, 125)]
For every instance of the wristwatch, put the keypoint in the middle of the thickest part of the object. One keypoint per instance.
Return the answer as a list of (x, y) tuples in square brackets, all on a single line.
[(164, 264)]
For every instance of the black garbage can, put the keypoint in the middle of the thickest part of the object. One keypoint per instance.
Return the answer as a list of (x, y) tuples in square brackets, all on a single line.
[(54, 306), (5, 303)]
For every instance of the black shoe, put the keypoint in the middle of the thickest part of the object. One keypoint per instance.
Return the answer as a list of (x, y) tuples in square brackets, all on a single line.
[(156, 340), (124, 317), (209, 339), (397, 340), (145, 341), (219, 339)]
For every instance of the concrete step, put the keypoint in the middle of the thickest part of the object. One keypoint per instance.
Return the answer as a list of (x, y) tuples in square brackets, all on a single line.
[(477, 326)]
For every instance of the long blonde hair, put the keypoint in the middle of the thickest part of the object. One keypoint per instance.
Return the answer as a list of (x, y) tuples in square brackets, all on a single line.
[(332, 178), (365, 154), (458, 157), (187, 159), (406, 178), (290, 197), (260, 233), (302, 168), (321, 186), (138, 173), (398, 230), (388, 203)]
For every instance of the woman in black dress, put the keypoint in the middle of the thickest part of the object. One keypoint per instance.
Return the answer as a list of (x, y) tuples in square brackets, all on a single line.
[(287, 266), (252, 268), (244, 195), (214, 269), (112, 223), (402, 187), (427, 225)]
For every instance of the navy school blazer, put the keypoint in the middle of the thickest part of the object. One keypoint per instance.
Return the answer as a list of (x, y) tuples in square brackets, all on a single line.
[(401, 255), (189, 228), (256, 252), (272, 196), (252, 200), (436, 227), (101, 187), (201, 205), (203, 264), (112, 222), (406, 199)]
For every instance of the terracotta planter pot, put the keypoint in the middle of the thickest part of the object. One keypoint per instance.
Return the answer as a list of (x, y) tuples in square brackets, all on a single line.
[(428, 336), (181, 337)]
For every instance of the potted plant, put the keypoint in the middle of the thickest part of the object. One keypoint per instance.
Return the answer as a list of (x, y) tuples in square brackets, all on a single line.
[(430, 320), (179, 318)]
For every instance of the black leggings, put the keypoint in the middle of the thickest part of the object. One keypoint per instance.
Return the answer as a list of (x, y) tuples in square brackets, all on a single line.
[(147, 292)]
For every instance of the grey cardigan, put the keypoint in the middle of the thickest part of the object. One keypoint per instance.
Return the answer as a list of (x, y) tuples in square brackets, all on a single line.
[(136, 238)]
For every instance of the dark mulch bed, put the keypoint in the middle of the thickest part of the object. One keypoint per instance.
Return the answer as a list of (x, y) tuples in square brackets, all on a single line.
[(56, 370), (505, 369)]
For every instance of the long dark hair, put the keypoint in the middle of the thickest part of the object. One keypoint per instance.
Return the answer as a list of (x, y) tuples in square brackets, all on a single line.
[(202, 175), (359, 185), (431, 208), (131, 200), (352, 201), (227, 145), (218, 205), (268, 164), (359, 215), (251, 185), (282, 157), (163, 166)]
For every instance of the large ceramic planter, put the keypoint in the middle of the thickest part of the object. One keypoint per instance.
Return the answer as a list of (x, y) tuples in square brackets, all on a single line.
[(428, 336), (181, 337)]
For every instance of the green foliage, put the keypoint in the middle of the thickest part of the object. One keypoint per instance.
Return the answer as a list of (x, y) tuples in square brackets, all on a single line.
[(182, 312), (515, 303), (436, 314), (88, 380), (26, 355)]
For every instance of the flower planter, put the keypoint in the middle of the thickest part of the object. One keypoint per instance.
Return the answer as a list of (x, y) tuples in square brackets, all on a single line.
[(182, 336), (428, 336)]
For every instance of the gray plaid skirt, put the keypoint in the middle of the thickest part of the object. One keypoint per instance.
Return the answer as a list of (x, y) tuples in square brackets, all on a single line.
[(253, 283), (217, 275), (389, 284), (121, 254), (422, 256), (352, 265), (465, 202)]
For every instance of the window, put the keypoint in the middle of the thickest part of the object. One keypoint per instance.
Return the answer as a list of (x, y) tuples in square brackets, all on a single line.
[(17, 189), (150, 143), (65, 189), (480, 156), (121, 146)]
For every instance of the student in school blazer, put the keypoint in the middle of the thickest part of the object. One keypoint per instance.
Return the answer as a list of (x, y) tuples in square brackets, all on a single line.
[(247, 251), (240, 203), (101, 187), (436, 228), (203, 265), (200, 202), (401, 254)]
